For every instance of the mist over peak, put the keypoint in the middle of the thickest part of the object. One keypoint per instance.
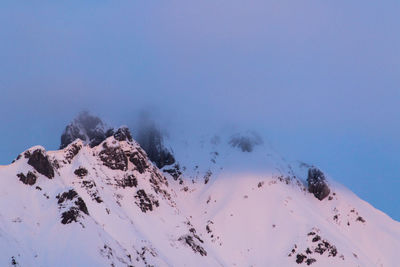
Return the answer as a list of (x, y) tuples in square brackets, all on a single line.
[(150, 136), (87, 127), (318, 80)]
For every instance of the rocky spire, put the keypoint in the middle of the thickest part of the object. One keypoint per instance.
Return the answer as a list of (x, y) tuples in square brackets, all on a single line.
[(90, 129)]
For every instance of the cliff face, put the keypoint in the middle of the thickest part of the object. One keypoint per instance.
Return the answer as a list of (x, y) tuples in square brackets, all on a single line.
[(152, 141), (109, 205)]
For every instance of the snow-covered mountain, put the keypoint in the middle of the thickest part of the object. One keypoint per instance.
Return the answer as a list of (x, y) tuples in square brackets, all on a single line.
[(225, 201)]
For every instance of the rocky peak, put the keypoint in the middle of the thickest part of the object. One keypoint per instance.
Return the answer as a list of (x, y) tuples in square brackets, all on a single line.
[(123, 134), (38, 159), (90, 129)]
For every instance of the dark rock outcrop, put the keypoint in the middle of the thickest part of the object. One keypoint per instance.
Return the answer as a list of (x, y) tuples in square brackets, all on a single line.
[(300, 258), (146, 202), (310, 261), (114, 158), (72, 151), (29, 178), (138, 159), (317, 183), (175, 171), (150, 139), (81, 172), (192, 243), (317, 245), (90, 129), (68, 195), (39, 160), (245, 142), (127, 181), (207, 176), (74, 211), (18, 157), (123, 134), (92, 191)]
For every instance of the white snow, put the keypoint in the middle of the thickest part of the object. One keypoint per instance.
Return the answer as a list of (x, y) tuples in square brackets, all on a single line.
[(253, 211)]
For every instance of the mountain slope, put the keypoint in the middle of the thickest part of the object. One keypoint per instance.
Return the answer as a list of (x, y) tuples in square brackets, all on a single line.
[(109, 205)]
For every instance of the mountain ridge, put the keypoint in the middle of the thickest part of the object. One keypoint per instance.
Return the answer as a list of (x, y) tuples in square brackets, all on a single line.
[(109, 205)]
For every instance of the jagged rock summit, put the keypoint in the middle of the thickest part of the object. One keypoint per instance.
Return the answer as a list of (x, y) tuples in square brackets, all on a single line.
[(90, 129), (110, 205)]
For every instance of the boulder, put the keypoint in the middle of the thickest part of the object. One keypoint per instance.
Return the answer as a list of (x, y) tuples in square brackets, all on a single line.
[(317, 183)]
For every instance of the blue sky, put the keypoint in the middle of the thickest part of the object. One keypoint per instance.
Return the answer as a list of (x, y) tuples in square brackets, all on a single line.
[(321, 79)]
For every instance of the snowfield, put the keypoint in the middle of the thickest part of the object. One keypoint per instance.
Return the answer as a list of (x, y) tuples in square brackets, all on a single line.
[(219, 205)]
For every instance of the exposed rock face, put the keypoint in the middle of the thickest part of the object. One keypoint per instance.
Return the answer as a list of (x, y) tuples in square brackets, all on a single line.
[(81, 171), (72, 151), (175, 171), (91, 189), (128, 181), (317, 183), (191, 242), (245, 142), (145, 202), (39, 161), (138, 158), (29, 178), (123, 134), (73, 205), (316, 245), (150, 139), (114, 157), (88, 128)]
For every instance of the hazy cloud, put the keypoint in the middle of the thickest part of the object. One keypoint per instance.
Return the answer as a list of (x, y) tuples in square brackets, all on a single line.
[(319, 79)]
